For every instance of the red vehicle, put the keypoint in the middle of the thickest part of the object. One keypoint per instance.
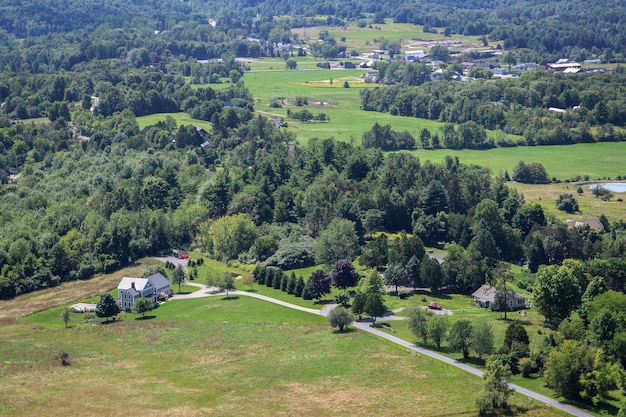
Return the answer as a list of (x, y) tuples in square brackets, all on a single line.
[(433, 305), (180, 254)]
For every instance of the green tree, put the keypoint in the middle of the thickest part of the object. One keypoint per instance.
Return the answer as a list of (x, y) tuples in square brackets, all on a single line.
[(224, 282), (340, 317), (142, 306), (358, 303), (556, 292), (515, 333), (460, 336), (300, 286), (374, 306), (482, 338), (178, 276), (249, 280), (417, 321), (395, 276), (564, 367), (66, 315), (232, 235), (438, 329), (496, 391), (431, 273), (338, 241), (107, 306)]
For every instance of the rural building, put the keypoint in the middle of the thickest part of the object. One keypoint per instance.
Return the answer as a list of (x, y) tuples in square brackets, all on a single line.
[(485, 297), (130, 289), (570, 66), (415, 55), (594, 224)]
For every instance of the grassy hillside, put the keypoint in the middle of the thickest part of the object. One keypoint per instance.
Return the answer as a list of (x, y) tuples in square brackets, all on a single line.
[(224, 357)]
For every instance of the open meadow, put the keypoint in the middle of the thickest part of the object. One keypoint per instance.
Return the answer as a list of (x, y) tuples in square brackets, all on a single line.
[(230, 357)]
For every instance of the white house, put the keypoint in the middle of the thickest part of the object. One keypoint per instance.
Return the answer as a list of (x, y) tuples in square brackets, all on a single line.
[(129, 289), (415, 55)]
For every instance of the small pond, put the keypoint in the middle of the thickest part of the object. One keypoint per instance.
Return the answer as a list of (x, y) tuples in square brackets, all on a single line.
[(614, 187)]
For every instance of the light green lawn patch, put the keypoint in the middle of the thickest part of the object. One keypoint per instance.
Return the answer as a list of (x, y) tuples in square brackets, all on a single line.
[(181, 119)]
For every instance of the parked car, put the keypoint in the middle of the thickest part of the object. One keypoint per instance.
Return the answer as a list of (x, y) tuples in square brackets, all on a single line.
[(433, 305)]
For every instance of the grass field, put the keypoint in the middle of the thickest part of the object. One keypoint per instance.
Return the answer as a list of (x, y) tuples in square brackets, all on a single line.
[(590, 207), (181, 119), (597, 160), (232, 357)]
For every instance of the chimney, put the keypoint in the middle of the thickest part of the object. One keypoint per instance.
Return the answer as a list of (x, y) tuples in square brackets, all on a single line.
[(132, 284)]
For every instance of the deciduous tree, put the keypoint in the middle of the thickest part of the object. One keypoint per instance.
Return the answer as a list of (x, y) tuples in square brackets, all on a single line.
[(343, 274), (142, 306), (178, 276), (460, 336), (340, 317), (496, 391), (417, 321), (319, 284)]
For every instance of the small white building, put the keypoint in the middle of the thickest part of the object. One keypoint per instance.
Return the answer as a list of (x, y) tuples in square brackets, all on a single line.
[(415, 55), (130, 289)]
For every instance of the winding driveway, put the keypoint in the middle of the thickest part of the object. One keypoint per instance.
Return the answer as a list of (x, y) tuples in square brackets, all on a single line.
[(365, 326)]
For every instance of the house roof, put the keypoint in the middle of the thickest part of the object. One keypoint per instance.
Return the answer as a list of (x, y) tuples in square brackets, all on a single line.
[(158, 280), (488, 293), (127, 283), (594, 224)]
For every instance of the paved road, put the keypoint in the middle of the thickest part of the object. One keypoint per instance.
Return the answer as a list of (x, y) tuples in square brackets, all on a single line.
[(365, 326)]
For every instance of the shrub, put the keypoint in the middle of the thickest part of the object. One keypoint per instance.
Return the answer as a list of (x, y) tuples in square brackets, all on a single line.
[(63, 358), (525, 366), (294, 255)]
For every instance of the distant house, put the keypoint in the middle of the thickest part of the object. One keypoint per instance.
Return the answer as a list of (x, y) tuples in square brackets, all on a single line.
[(485, 297), (130, 289), (594, 224), (415, 55), (570, 66)]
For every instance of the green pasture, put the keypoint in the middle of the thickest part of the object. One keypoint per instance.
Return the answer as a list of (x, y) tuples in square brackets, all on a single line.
[(181, 119), (342, 105), (226, 367), (597, 160), (371, 36)]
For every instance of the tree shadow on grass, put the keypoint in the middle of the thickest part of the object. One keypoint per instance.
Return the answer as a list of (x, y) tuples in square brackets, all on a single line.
[(472, 360), (231, 298), (252, 290), (146, 317), (183, 292), (346, 330), (324, 302)]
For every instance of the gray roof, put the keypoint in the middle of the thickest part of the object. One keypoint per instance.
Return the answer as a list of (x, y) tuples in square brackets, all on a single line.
[(488, 293), (158, 280)]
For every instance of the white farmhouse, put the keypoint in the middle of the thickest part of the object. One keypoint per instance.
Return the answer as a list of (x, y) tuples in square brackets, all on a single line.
[(129, 289)]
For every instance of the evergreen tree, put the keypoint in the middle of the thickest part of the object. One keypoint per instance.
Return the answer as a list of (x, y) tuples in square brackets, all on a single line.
[(300, 286), (107, 306)]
